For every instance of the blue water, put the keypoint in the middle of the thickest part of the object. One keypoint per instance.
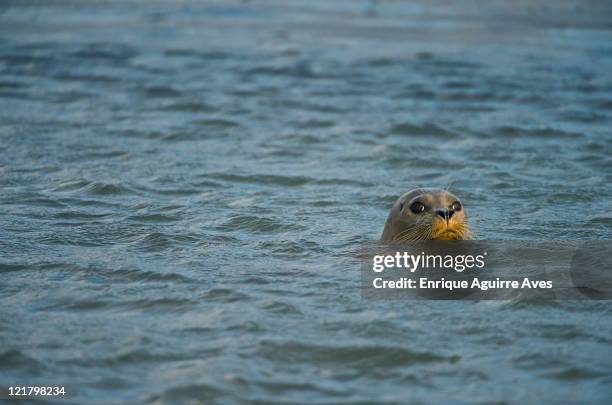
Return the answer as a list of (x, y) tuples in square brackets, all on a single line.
[(183, 185)]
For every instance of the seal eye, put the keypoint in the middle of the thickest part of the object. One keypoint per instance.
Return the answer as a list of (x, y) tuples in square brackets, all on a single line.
[(417, 207), (456, 206)]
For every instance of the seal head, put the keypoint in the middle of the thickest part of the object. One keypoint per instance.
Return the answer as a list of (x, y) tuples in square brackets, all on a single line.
[(426, 214)]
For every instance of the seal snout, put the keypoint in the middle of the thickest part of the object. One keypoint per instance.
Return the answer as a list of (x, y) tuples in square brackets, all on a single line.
[(446, 214)]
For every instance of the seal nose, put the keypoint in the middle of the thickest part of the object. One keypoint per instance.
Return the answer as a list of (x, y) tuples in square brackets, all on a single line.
[(446, 214)]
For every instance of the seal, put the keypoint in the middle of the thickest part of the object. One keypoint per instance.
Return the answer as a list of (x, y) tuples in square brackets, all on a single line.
[(426, 214)]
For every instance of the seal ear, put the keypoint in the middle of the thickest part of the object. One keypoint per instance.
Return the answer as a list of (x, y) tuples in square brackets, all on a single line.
[(401, 206)]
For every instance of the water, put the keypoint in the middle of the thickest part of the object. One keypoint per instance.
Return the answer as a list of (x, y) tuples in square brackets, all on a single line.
[(183, 184)]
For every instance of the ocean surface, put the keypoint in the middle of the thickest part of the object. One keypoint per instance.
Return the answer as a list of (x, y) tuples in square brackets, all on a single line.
[(183, 186)]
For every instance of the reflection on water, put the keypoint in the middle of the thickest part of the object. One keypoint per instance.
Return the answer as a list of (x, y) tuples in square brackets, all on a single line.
[(183, 183)]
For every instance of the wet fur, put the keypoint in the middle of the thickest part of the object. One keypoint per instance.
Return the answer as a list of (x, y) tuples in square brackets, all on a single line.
[(403, 225)]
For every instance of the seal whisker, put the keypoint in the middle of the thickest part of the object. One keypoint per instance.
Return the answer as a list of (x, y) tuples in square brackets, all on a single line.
[(419, 227), (417, 233)]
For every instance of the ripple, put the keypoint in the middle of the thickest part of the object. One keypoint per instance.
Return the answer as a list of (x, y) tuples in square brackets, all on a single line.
[(83, 202), (187, 392), (11, 360), (159, 305), (99, 188), (136, 275), (582, 116), (105, 154), (531, 303), (105, 51), (278, 307), (311, 106), (154, 242), (306, 139), (292, 386), (93, 187), (458, 84), (295, 249), (180, 52), (87, 78), (472, 96), (246, 327), (344, 182), (575, 373), (324, 203), (600, 221), (141, 356), (12, 85), (302, 70), (161, 92), (156, 218), (192, 107), (250, 280), (79, 216), (313, 124), (529, 361), (84, 233), (536, 132), (70, 185), (179, 191), (14, 95), (225, 295), (452, 63), (9, 267), (42, 201), (265, 179), (216, 123), (382, 356), (429, 129), (256, 224)]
